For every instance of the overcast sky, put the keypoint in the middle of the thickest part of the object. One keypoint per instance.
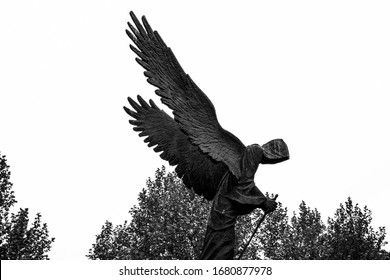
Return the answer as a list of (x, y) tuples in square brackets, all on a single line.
[(315, 73)]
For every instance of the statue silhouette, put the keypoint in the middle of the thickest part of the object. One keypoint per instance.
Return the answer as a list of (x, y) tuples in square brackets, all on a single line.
[(209, 159)]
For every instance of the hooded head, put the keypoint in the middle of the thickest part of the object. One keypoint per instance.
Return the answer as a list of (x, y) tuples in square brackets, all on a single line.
[(274, 151)]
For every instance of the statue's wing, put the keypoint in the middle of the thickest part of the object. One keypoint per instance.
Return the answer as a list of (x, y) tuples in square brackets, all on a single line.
[(191, 107), (197, 170)]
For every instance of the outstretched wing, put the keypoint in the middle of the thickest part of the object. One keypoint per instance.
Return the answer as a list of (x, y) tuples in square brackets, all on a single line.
[(191, 107), (197, 170)]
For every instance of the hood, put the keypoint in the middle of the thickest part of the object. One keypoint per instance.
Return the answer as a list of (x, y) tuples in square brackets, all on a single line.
[(275, 151)]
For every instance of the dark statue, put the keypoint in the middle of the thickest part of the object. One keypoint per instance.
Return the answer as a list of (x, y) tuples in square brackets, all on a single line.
[(210, 160)]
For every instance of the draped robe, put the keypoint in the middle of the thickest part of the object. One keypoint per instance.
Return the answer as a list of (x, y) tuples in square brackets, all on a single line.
[(234, 197)]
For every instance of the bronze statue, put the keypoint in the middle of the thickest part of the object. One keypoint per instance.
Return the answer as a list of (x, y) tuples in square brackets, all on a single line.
[(210, 160)]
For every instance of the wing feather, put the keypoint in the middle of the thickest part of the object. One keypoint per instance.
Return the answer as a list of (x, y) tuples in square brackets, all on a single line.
[(197, 170), (192, 109)]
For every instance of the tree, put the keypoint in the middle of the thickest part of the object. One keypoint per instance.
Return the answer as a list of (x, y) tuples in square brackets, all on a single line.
[(112, 243), (18, 240), (7, 200), (273, 239), (166, 224), (270, 239), (307, 241), (347, 236), (350, 235)]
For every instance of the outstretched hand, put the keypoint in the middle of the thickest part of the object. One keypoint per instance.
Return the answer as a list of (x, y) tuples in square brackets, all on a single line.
[(270, 204)]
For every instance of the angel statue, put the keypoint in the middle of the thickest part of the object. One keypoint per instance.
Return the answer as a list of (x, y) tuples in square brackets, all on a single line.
[(210, 160)]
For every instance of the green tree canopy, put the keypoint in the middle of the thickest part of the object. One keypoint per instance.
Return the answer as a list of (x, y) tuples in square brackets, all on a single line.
[(18, 240)]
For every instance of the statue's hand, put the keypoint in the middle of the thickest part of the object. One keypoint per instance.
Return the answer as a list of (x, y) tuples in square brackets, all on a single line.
[(269, 205)]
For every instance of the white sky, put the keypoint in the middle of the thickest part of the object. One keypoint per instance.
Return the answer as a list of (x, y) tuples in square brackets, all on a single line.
[(315, 73)]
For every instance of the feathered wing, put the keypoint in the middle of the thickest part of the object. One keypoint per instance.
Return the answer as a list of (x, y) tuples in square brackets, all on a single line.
[(191, 107), (197, 170)]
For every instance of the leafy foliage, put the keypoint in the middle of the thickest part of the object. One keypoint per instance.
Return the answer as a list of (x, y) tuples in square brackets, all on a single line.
[(18, 240), (350, 235), (272, 239), (111, 243), (167, 224), (307, 235), (347, 236)]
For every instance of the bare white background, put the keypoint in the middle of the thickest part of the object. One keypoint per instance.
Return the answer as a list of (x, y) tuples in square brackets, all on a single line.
[(315, 73)]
